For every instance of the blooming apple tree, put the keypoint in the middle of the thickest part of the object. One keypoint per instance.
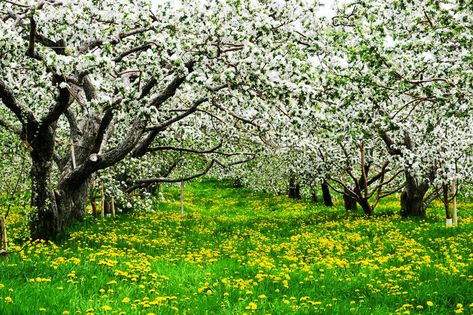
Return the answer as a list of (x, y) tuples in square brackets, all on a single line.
[(90, 84), (403, 69)]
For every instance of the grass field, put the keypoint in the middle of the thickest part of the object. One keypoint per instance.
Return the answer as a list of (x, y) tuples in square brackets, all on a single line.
[(236, 251)]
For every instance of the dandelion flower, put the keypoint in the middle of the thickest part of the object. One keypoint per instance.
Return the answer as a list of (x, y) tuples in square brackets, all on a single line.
[(252, 306), (107, 308)]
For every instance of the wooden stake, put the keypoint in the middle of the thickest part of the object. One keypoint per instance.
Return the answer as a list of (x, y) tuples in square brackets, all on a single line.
[(102, 211), (3, 236), (73, 154), (182, 198), (113, 206)]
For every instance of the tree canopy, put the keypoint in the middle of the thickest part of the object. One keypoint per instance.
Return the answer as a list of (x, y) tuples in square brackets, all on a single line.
[(372, 102)]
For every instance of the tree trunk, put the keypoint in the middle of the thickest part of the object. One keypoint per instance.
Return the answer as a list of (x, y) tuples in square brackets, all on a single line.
[(446, 202), (237, 183), (349, 202), (294, 188), (412, 203), (454, 206), (54, 210), (365, 205), (412, 198), (326, 194), (314, 198)]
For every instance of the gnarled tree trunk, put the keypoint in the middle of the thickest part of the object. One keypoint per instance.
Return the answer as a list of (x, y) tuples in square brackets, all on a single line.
[(53, 210), (412, 198), (55, 206), (56, 210)]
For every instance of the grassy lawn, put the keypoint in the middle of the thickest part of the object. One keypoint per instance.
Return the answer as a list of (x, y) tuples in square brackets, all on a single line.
[(236, 251)]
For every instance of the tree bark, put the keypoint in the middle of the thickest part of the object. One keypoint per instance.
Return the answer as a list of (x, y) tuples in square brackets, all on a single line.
[(365, 205), (294, 188), (314, 198), (412, 203), (54, 211), (446, 202), (454, 206), (326, 194), (54, 206), (412, 198), (349, 202)]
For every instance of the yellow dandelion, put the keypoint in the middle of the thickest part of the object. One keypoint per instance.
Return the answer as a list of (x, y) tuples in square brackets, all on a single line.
[(107, 308), (251, 306)]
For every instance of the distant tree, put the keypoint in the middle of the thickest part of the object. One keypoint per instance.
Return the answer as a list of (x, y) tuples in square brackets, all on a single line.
[(402, 71)]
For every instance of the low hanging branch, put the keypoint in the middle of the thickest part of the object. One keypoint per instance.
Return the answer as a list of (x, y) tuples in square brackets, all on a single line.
[(187, 178), (176, 180), (170, 148)]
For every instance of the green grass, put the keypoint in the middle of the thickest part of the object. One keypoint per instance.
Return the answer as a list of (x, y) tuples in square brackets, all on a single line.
[(236, 251)]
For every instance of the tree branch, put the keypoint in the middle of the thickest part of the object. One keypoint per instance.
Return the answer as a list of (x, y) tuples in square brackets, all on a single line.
[(73, 127), (97, 162), (30, 51), (62, 103), (234, 115), (104, 124), (58, 47), (6, 96), (114, 40), (131, 51), (164, 148), (176, 180), (143, 185), (170, 89), (389, 144), (177, 118), (380, 174)]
